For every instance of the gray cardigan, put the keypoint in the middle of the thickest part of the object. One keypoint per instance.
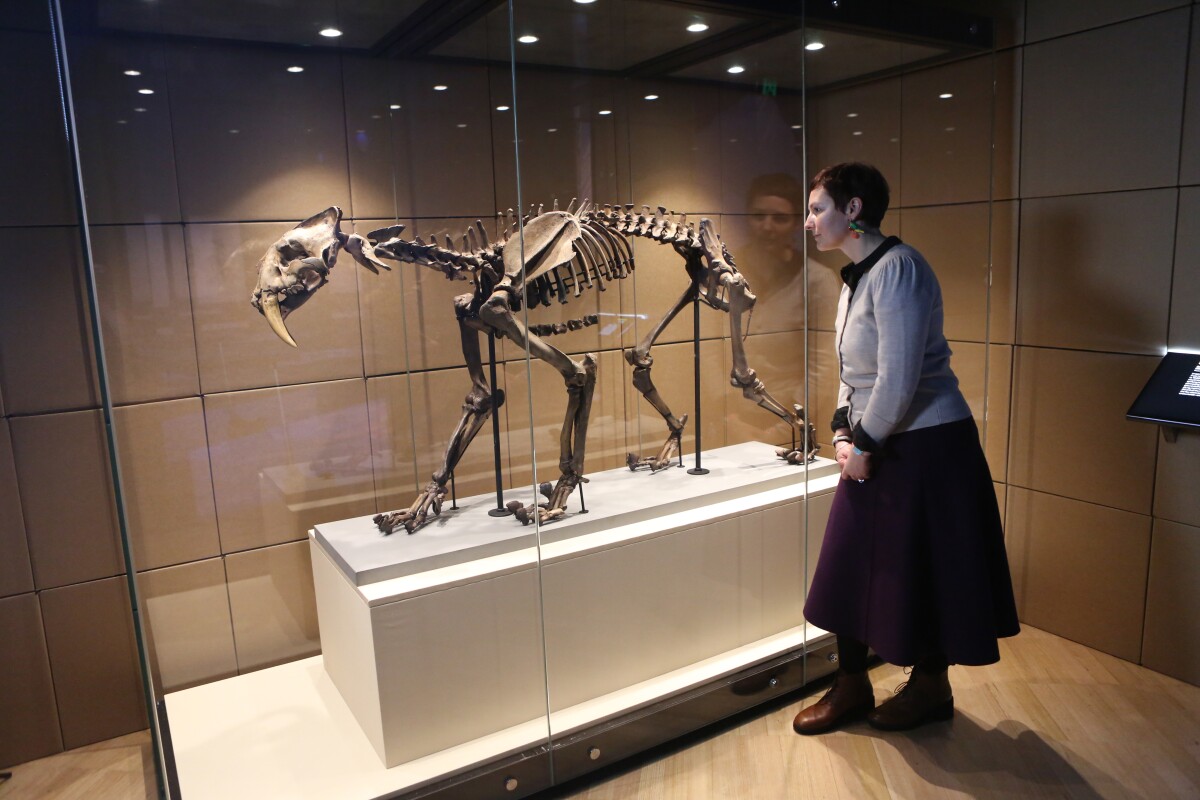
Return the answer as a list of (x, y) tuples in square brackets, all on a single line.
[(894, 358)]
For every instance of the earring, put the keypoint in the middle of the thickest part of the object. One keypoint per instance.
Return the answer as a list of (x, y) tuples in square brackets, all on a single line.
[(856, 229)]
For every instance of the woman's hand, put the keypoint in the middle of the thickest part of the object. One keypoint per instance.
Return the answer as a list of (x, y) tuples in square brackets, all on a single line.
[(841, 452), (856, 467)]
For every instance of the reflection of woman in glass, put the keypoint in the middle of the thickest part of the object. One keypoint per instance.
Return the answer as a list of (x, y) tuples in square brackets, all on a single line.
[(913, 562), (769, 259)]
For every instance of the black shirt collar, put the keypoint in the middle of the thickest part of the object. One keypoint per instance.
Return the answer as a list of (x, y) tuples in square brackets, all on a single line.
[(852, 273)]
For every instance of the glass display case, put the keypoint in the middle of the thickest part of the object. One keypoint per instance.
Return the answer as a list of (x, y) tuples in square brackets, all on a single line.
[(276, 265)]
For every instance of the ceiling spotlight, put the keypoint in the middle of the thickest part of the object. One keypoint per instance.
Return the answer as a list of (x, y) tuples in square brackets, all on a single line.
[(462, 125), (122, 122), (736, 70), (797, 127), (527, 39), (133, 73), (852, 114), (604, 112), (295, 69), (502, 108), (945, 95), (858, 133), (650, 97), (330, 33), (234, 130), (145, 91), (555, 130), (140, 110), (950, 129), (814, 46), (394, 106), (441, 87), (697, 27), (585, 3)]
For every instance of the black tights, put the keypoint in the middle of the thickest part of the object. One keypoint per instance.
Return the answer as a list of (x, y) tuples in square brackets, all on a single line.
[(852, 656)]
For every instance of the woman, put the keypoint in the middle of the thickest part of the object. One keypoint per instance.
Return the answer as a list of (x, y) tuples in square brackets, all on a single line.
[(913, 562)]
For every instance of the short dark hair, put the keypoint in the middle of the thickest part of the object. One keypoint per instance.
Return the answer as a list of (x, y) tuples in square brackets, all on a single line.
[(778, 184), (855, 179)]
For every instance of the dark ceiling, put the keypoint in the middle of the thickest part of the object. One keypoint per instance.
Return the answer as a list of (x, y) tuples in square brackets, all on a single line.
[(648, 38)]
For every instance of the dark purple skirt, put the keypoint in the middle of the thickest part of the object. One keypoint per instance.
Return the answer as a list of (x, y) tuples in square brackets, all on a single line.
[(913, 561)]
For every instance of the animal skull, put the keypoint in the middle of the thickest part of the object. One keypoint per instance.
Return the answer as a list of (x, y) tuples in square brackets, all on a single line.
[(298, 264)]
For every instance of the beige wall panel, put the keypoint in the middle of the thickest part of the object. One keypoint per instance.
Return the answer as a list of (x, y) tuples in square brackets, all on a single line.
[(1078, 569), (974, 371), (16, 573), (831, 130), (653, 289), (778, 358), (286, 459), (606, 439), (1092, 102), (146, 312), (1177, 476), (825, 282), (392, 434), (824, 377), (676, 150), (30, 728), (954, 239), (1049, 18), (167, 482), (66, 497), (125, 144), (947, 150), (1006, 132), (437, 402), (1069, 432), (1001, 498), (236, 348), (1185, 284), (274, 609), (44, 321), (33, 128), (378, 136), (1002, 303), (244, 148), (1189, 158), (97, 681), (568, 149), (758, 139), (673, 375), (1080, 286), (188, 624), (1172, 638)]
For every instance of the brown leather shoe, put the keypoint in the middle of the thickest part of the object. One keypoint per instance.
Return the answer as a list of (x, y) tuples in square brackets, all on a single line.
[(849, 699), (926, 697)]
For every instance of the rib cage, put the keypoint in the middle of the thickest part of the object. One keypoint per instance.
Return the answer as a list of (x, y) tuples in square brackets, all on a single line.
[(603, 254)]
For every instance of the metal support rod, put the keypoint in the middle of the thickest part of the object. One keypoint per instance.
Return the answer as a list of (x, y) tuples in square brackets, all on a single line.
[(453, 493), (696, 470), (582, 505), (499, 510)]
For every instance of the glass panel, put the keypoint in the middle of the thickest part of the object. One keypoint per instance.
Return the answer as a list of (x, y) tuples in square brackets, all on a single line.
[(292, 642)]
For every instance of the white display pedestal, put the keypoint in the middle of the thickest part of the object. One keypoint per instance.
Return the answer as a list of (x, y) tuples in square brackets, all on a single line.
[(433, 643)]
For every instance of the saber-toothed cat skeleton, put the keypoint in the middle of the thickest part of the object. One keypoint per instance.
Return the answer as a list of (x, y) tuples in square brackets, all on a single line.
[(547, 255)]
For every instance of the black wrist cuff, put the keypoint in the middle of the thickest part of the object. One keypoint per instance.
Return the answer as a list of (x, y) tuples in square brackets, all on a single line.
[(863, 440), (841, 419)]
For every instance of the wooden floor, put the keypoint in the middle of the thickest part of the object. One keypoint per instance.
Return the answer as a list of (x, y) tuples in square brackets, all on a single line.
[(1052, 719)]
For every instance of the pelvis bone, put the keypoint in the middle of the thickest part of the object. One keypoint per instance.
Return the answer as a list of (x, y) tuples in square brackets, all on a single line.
[(298, 264)]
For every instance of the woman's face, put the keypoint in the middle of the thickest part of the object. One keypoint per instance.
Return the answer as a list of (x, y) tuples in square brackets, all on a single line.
[(829, 227)]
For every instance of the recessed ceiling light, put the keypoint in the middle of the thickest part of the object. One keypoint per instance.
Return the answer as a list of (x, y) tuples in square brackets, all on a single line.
[(140, 110), (950, 129), (295, 69), (555, 130), (145, 91), (330, 33), (441, 87), (527, 39), (502, 108), (462, 125), (234, 130), (797, 127), (604, 112), (945, 95), (697, 27), (376, 116), (894, 139), (122, 122), (736, 70), (814, 46), (852, 114), (394, 106), (858, 133), (584, 3), (650, 97), (133, 73)]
